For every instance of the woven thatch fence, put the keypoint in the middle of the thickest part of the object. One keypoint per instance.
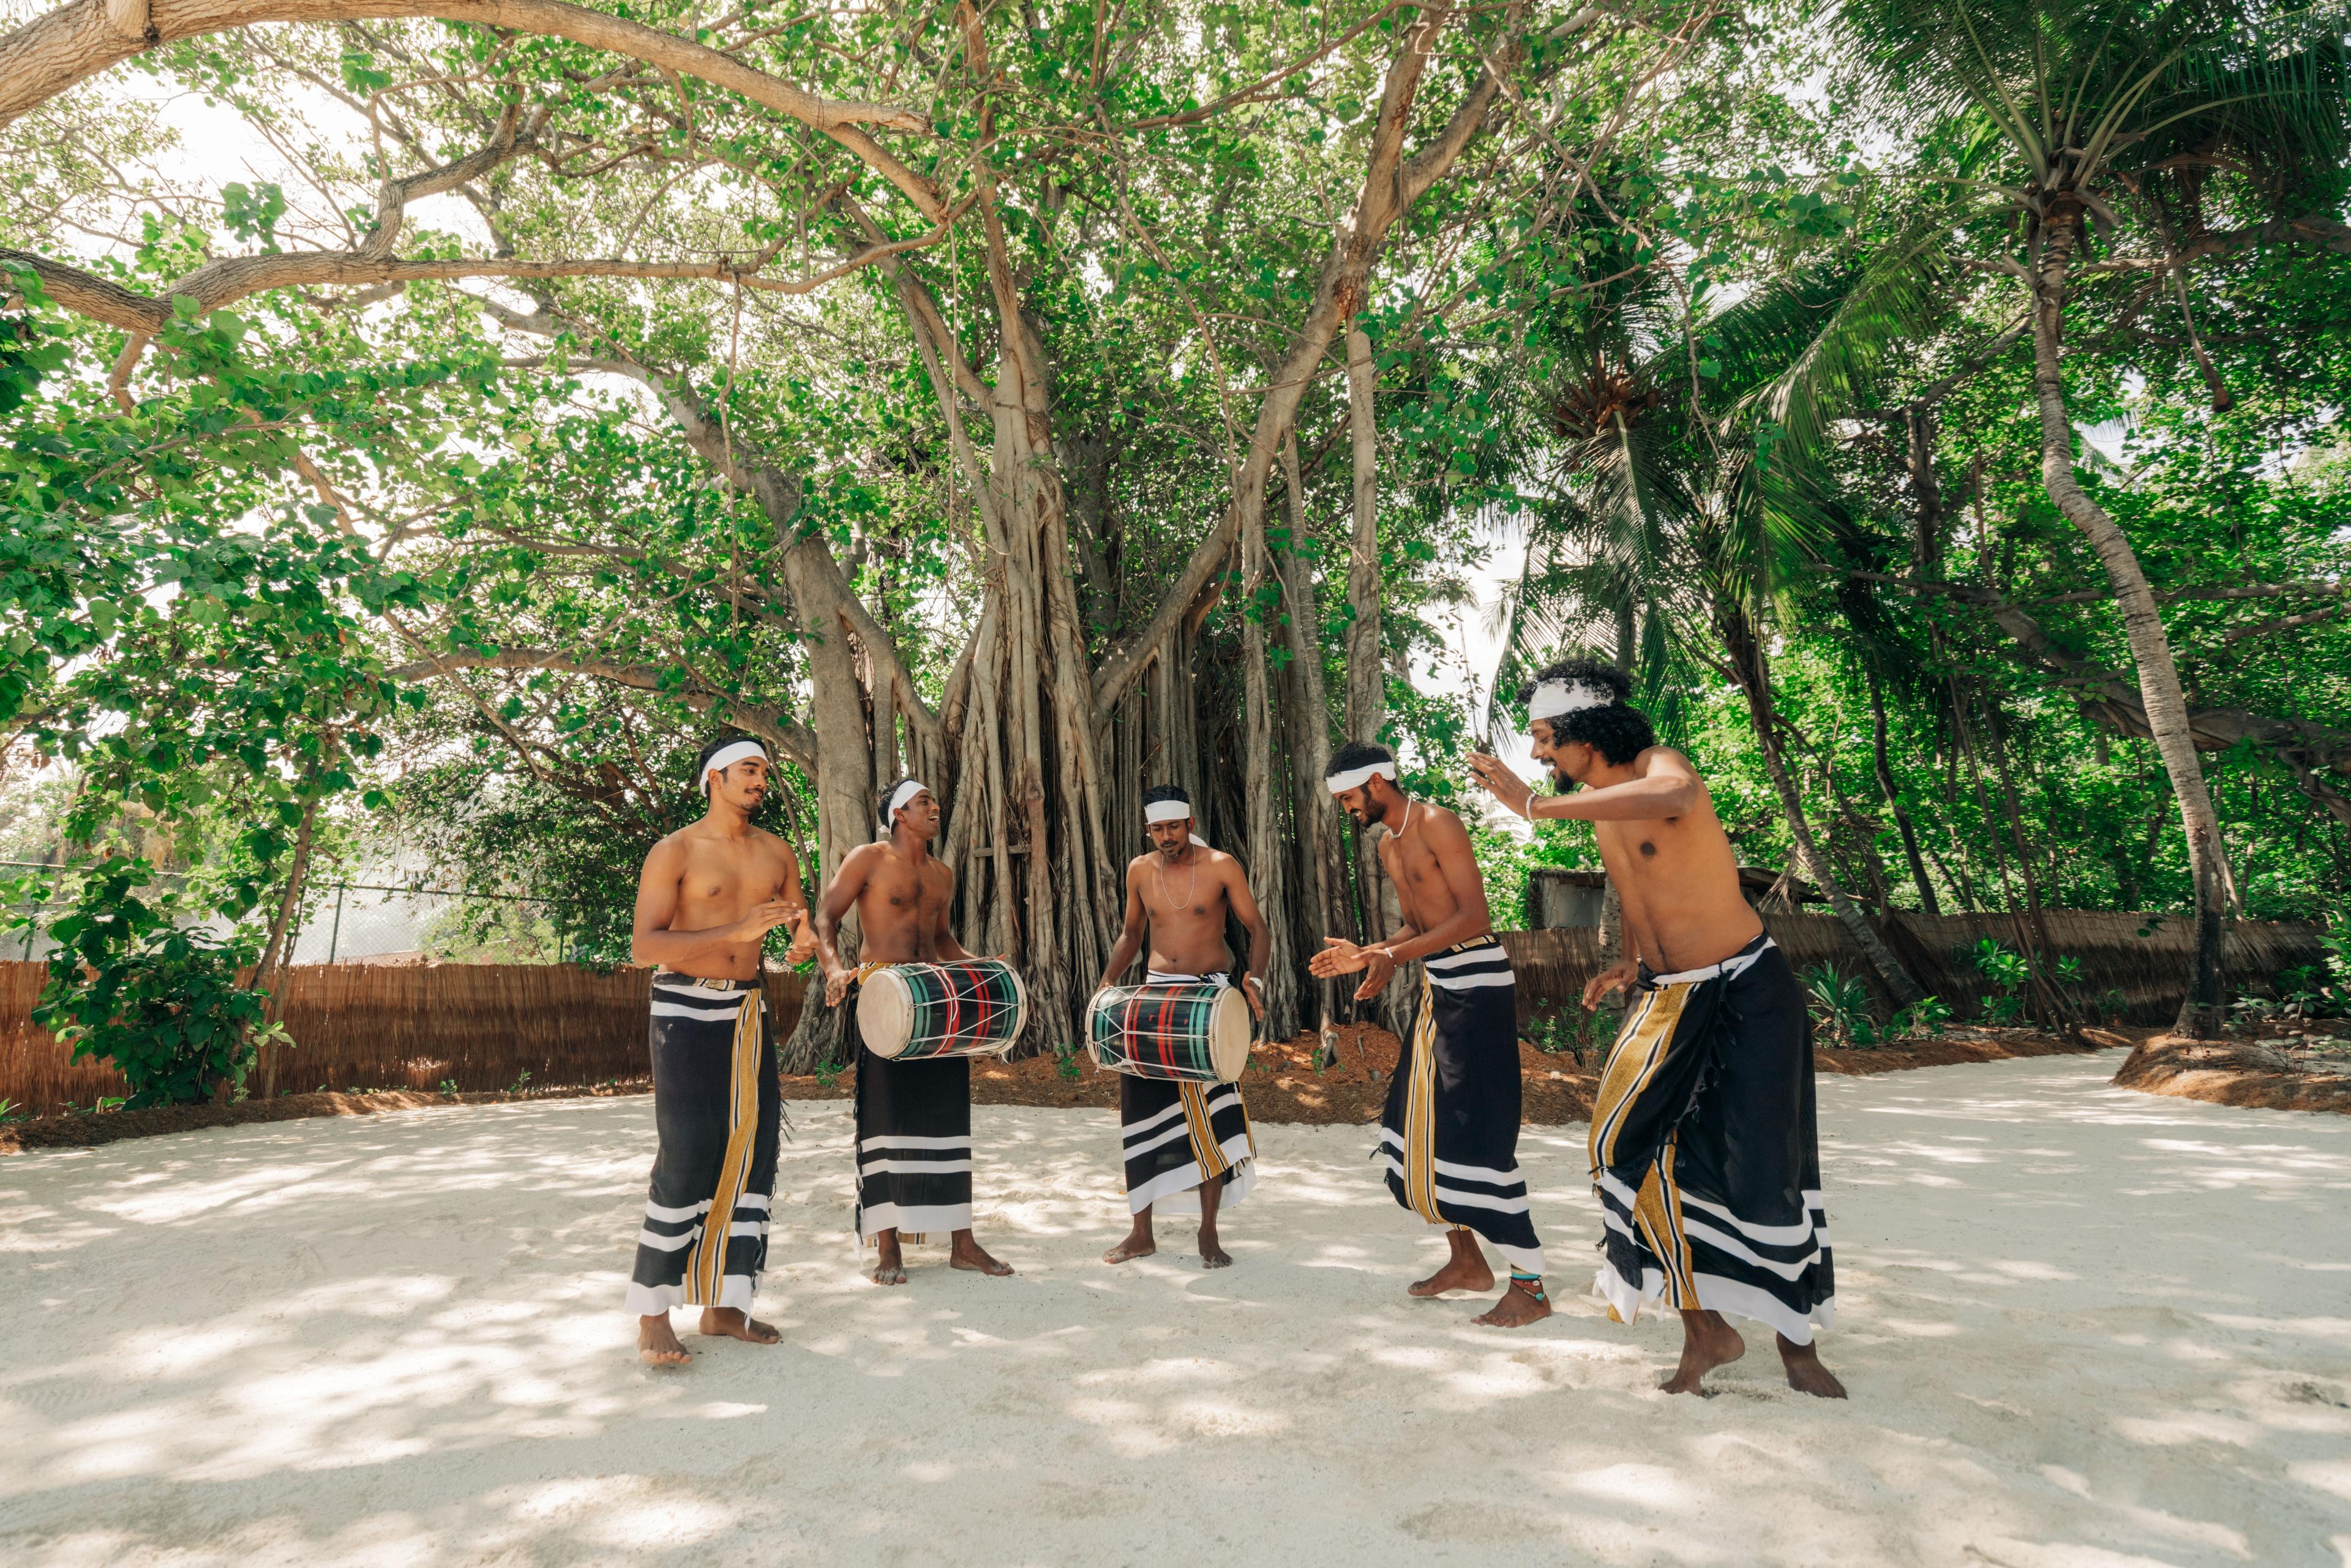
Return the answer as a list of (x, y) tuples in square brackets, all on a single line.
[(483, 1026), (365, 1026), (2125, 977)]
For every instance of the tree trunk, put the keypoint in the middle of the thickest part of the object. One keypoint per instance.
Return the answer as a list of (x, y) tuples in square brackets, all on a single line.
[(1927, 900), (1307, 722), (1262, 795), (1366, 694), (269, 971), (1366, 673), (2057, 1007), (2205, 1010), (2036, 958), (1754, 673)]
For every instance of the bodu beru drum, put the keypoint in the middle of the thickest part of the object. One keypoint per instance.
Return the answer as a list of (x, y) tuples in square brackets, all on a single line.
[(1194, 1033), (909, 1010)]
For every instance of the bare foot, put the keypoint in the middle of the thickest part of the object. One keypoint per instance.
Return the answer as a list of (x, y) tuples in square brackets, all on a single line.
[(1213, 1256), (732, 1322), (1138, 1244), (967, 1254), (657, 1342), (1708, 1342), (1806, 1373), (1464, 1271), (1520, 1304), (889, 1264)]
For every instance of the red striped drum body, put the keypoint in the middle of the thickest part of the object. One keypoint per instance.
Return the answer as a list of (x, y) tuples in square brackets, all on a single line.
[(1193, 1032), (906, 1011)]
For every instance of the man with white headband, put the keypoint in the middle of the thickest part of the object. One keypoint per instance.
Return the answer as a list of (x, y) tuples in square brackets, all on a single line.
[(706, 900), (1187, 1146), (914, 1117), (1449, 1136), (1705, 1152)]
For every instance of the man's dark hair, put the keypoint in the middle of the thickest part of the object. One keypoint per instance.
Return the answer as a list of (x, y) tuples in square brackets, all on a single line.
[(1357, 754), (882, 806), (1616, 729), (1159, 792), (716, 744)]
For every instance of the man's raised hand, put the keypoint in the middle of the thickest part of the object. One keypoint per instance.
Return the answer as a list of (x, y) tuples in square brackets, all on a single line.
[(1501, 783)]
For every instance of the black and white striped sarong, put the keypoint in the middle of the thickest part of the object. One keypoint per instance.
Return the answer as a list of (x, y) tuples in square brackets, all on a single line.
[(914, 1146), (718, 1113), (1178, 1136), (1706, 1152), (1449, 1137)]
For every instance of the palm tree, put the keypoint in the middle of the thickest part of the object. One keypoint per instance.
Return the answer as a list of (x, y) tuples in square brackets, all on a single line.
[(2078, 113)]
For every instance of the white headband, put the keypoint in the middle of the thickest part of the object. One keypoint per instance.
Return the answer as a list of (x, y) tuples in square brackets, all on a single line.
[(898, 798), (1166, 810), (1557, 699), (726, 757), (1356, 779), (1200, 840)]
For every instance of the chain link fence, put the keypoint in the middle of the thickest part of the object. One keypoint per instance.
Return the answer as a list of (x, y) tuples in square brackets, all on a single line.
[(371, 923)]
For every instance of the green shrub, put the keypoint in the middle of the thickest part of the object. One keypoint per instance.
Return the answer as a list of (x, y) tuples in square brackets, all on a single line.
[(1840, 1006), (1573, 1032), (135, 982)]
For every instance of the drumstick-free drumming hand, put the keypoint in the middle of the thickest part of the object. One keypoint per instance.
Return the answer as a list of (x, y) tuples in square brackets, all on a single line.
[(1187, 1016), (914, 1117)]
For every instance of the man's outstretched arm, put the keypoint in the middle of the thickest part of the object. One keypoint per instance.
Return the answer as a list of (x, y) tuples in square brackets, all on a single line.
[(1669, 787)]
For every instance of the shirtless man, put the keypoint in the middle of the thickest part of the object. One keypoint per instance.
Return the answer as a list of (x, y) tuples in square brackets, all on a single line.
[(914, 1118), (1704, 1148), (706, 900), (1183, 889), (1449, 1137)]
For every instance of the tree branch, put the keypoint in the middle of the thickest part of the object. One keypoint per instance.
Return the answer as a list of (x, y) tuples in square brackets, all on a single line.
[(77, 40), (224, 282), (786, 735)]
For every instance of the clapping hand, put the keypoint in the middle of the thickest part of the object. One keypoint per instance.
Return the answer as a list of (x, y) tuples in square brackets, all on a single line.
[(803, 945), (1341, 957)]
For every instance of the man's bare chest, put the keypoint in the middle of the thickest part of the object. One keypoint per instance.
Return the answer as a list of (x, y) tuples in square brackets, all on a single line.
[(1183, 898), (898, 894), (1652, 851), (717, 880)]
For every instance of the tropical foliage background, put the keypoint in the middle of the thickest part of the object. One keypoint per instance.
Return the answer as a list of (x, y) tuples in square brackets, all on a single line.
[(422, 431)]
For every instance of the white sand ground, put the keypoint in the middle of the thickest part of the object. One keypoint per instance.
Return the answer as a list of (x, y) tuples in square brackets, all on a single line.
[(2082, 1326)]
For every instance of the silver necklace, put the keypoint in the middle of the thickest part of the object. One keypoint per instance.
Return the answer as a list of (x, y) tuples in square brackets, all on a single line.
[(1189, 888)]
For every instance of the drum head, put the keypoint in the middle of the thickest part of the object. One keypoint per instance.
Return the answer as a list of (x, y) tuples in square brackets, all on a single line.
[(1104, 999), (1020, 1010), (1228, 1035), (886, 1013)]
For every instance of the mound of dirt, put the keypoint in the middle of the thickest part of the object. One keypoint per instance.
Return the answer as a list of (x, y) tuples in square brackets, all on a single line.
[(2234, 1073)]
